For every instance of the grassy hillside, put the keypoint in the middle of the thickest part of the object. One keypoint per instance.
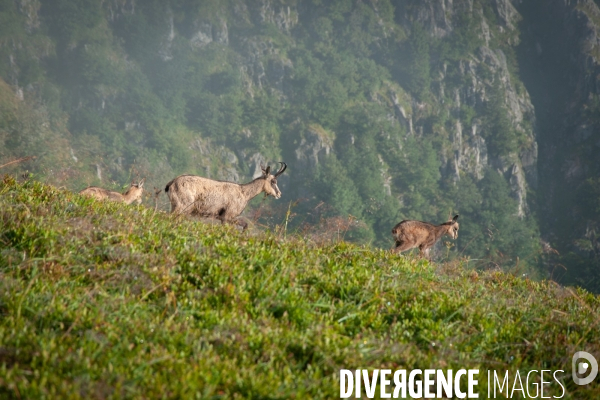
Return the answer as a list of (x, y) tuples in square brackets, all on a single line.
[(103, 300)]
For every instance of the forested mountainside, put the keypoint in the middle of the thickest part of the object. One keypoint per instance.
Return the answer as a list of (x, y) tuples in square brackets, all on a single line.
[(384, 110)]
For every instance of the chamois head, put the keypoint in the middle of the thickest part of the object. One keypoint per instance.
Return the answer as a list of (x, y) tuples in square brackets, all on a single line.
[(270, 185), (135, 192), (452, 227)]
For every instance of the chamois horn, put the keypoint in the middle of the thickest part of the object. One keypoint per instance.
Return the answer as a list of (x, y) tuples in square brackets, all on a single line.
[(283, 167)]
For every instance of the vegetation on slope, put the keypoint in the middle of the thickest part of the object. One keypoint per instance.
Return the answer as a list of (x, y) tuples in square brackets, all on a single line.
[(96, 88), (101, 300)]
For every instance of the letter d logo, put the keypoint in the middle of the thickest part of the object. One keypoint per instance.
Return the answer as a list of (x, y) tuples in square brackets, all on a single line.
[(580, 368)]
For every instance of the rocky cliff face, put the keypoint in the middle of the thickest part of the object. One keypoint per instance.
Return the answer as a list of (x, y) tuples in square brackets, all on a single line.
[(485, 67), (264, 67)]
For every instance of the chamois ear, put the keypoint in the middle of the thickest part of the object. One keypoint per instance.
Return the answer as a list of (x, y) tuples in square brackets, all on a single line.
[(267, 171), (455, 218), (141, 184)]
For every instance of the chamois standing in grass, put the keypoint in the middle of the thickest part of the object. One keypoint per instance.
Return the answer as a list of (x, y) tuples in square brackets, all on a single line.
[(410, 234), (133, 194), (225, 201)]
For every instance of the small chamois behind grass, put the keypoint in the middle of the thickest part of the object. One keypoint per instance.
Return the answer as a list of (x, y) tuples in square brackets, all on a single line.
[(103, 300)]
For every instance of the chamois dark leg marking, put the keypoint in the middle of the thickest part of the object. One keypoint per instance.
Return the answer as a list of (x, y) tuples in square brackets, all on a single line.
[(221, 215)]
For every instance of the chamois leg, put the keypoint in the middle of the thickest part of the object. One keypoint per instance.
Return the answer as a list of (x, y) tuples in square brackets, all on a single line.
[(241, 223), (401, 246), (424, 252), (222, 216)]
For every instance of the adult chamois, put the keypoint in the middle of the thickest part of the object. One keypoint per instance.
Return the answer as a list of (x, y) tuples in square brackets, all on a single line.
[(410, 234), (133, 194), (225, 201)]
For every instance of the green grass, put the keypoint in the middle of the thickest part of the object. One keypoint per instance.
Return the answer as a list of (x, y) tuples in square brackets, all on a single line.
[(102, 300)]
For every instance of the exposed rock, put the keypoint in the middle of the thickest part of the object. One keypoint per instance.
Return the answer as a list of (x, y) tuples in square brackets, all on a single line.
[(257, 52), (485, 32), (203, 35), (207, 32), (221, 33), (434, 15), (314, 146), (529, 160), (387, 185), (284, 17), (457, 144), (73, 155), (403, 117), (506, 12), (518, 186), (98, 171), (259, 73), (31, 9), (470, 152), (510, 167), (215, 158), (387, 178), (118, 164), (132, 125), (246, 132), (258, 160), (229, 174)]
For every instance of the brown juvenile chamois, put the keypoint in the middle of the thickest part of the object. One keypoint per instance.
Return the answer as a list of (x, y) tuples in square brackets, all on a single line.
[(410, 234), (133, 194), (225, 201)]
